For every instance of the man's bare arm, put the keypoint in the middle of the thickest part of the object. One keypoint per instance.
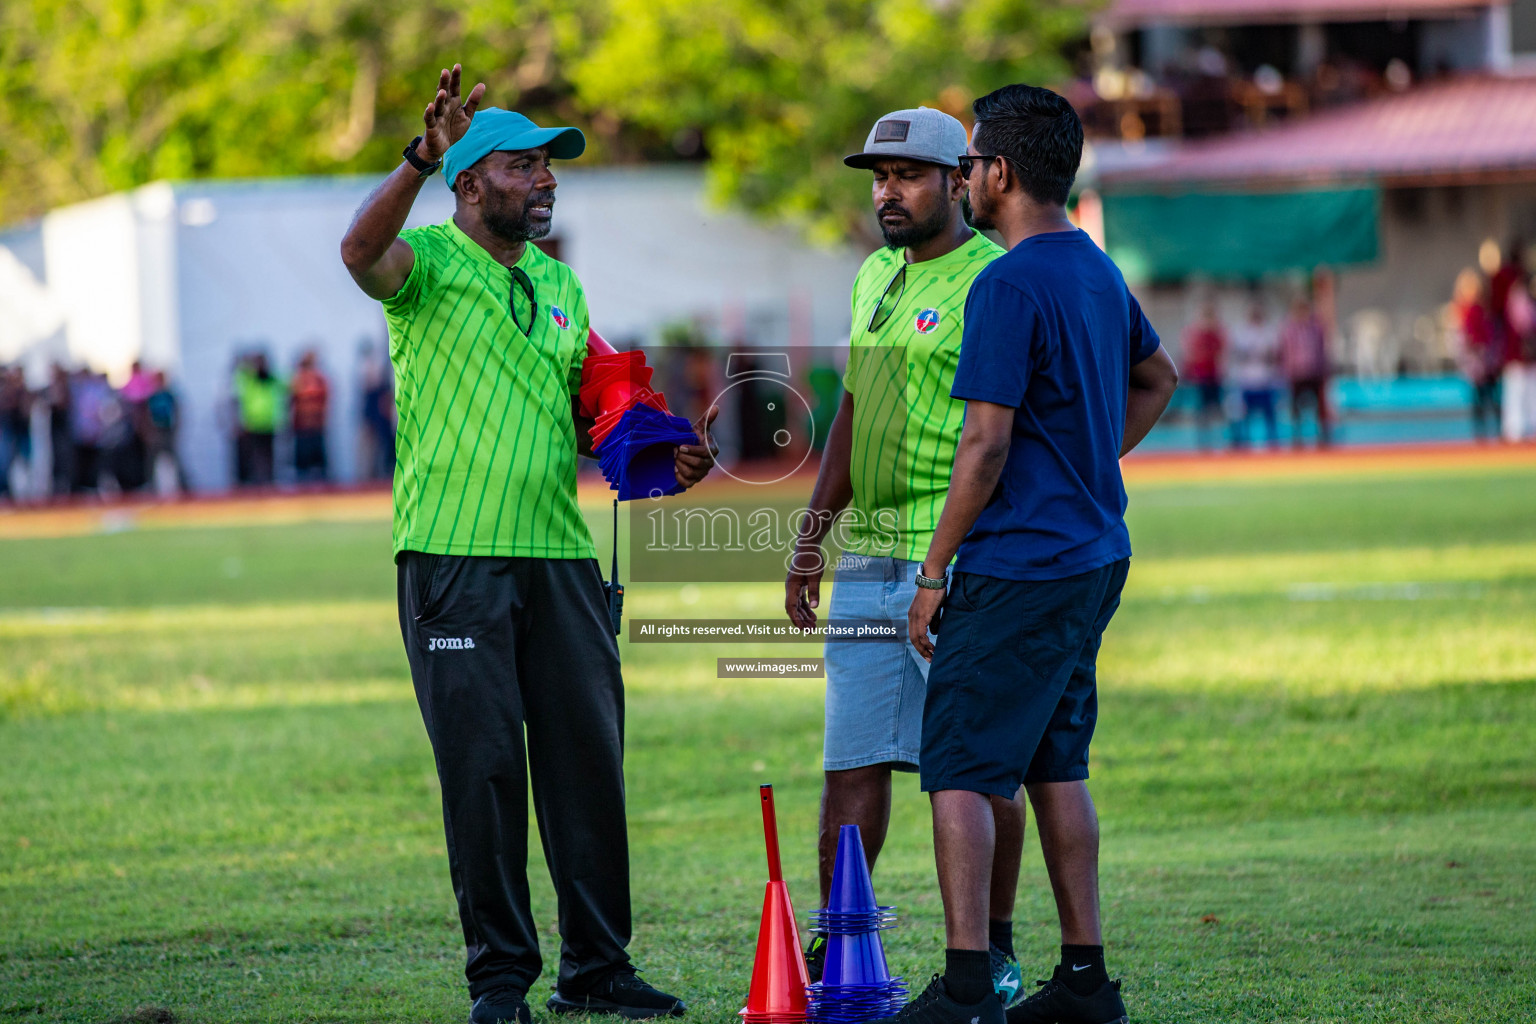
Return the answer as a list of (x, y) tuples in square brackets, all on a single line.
[(979, 459), (834, 480), (376, 257), (1152, 383), (832, 493), (372, 250)]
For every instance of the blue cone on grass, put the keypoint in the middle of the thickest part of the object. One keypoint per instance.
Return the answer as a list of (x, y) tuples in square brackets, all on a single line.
[(856, 983)]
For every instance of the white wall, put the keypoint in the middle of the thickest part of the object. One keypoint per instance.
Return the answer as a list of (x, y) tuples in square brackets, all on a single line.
[(258, 267), (91, 262), (188, 275), (651, 249)]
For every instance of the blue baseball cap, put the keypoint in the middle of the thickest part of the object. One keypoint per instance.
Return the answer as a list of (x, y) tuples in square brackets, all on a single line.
[(494, 129)]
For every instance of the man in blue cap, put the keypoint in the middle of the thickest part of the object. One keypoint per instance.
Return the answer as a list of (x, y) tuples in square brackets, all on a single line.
[(502, 608)]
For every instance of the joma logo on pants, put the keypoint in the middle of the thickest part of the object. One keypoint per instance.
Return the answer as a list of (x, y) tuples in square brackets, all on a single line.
[(450, 643)]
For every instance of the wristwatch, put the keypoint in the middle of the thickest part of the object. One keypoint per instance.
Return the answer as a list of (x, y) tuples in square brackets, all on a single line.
[(414, 159), (930, 583)]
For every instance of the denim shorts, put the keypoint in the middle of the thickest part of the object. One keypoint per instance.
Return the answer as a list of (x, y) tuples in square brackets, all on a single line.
[(1013, 697), (875, 691)]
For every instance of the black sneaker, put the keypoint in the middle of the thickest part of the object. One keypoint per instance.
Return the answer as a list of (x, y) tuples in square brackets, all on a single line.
[(619, 991), (1057, 1004), (504, 1006), (934, 1006), (1007, 979), (816, 956)]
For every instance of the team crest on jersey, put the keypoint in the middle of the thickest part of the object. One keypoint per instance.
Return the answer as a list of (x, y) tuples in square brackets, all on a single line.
[(927, 320), (558, 316)]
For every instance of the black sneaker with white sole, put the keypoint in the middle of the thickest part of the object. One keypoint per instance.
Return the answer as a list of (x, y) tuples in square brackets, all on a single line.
[(620, 992), (934, 1006), (1055, 1003), (505, 1006)]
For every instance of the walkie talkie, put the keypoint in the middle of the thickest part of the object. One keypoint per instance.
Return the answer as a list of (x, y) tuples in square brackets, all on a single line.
[(612, 588)]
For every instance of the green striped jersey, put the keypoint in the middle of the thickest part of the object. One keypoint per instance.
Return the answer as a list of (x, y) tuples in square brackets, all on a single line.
[(905, 425), (486, 448)]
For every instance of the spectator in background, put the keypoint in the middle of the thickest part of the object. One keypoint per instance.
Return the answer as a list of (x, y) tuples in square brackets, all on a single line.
[(161, 418), (1205, 344), (121, 465), (1481, 351), (60, 437), (141, 383), (15, 425), (1255, 372), (1304, 356), (1509, 300), (309, 401), (258, 408), (89, 393), (378, 415)]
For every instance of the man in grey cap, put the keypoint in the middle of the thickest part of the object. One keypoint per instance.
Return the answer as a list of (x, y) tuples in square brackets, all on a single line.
[(883, 480), (501, 601)]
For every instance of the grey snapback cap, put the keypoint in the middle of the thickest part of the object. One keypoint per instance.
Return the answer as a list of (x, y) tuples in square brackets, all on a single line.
[(921, 134)]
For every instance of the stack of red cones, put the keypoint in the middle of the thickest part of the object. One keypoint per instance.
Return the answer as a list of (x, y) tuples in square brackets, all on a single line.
[(633, 434), (779, 979)]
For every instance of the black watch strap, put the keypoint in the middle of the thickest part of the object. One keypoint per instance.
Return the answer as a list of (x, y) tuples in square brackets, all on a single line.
[(413, 158)]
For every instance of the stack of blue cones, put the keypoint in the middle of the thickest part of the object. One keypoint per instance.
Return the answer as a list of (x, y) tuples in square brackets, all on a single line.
[(856, 984)]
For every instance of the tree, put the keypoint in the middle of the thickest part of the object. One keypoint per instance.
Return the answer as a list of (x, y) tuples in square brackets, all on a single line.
[(102, 95), (780, 91)]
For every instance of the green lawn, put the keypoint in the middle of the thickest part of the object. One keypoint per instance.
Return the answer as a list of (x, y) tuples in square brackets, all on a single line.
[(1316, 771)]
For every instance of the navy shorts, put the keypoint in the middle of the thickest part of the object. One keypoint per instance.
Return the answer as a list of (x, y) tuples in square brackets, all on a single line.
[(1012, 695)]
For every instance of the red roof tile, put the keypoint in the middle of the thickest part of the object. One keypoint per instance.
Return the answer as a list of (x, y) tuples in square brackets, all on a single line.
[(1459, 129), (1131, 13)]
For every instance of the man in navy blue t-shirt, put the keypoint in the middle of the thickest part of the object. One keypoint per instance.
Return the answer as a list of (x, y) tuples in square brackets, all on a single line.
[(1061, 374)]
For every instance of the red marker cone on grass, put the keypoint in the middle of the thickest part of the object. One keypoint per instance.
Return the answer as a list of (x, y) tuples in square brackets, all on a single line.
[(779, 978)]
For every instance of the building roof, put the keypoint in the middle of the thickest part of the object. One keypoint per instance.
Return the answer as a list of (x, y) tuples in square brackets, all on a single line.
[(1477, 128), (1126, 14)]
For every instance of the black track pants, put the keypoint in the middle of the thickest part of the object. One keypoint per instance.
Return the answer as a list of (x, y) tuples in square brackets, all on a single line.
[(500, 648)]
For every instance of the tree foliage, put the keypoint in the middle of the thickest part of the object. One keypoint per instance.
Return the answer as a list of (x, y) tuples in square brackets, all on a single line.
[(101, 95), (782, 90)]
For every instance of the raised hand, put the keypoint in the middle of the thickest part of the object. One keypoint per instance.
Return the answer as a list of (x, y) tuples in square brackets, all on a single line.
[(447, 117)]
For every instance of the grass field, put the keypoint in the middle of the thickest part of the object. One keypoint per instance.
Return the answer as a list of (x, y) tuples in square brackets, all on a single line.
[(1316, 770)]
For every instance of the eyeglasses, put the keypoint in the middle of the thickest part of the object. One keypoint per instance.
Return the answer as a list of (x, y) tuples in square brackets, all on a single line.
[(968, 161), (522, 283), (889, 300)]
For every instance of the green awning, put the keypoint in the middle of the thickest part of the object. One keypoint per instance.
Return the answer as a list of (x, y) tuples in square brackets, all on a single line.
[(1240, 235)]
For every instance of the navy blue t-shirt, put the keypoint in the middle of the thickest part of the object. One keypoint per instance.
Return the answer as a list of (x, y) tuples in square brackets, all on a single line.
[(1052, 330)]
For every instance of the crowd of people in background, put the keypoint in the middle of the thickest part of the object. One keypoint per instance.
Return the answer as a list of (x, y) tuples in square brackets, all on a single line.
[(80, 435), (1493, 316), (77, 434), (1238, 374)]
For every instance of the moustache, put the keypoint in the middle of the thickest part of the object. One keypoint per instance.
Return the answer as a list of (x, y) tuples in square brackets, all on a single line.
[(540, 198), (893, 208)]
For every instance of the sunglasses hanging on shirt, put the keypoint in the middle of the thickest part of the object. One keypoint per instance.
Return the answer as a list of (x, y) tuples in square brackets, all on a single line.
[(889, 300), (522, 299)]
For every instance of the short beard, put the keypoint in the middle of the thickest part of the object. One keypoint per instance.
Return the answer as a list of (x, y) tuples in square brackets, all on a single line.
[(918, 232), (518, 227), (976, 202)]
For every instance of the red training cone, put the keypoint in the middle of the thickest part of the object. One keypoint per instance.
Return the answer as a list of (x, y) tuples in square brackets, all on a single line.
[(779, 978)]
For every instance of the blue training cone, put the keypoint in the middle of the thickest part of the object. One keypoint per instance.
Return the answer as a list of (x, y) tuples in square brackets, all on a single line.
[(855, 960), (856, 983), (852, 890)]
